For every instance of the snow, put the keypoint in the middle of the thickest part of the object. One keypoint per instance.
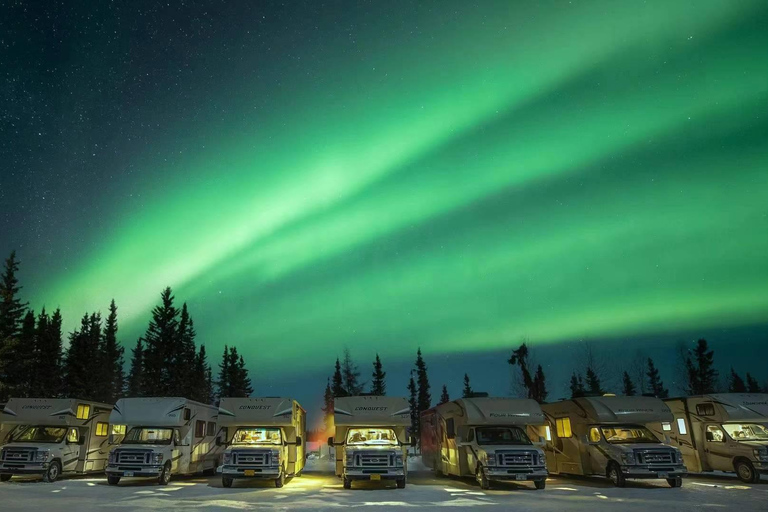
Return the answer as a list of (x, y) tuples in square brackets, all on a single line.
[(319, 489)]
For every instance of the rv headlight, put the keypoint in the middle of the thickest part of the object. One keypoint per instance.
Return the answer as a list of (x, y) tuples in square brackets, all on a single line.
[(350, 459), (157, 458), (42, 455), (542, 459), (275, 458), (628, 458), (399, 461), (490, 458), (112, 458), (761, 454), (227, 459)]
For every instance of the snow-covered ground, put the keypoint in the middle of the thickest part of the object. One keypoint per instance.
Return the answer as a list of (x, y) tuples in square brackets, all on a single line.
[(318, 489)]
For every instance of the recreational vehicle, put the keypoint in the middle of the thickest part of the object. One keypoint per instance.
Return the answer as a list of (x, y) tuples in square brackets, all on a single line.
[(53, 437), (370, 438), (264, 437), (608, 436), (165, 436), (721, 432), (485, 438)]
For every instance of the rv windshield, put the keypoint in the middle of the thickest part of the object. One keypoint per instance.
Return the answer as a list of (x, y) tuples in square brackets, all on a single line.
[(501, 435), (746, 431), (626, 434), (371, 436), (148, 435), (257, 436), (39, 434)]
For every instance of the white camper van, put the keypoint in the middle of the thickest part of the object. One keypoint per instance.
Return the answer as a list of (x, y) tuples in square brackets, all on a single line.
[(370, 438), (165, 436), (721, 432), (54, 436), (608, 436), (264, 437), (485, 438)]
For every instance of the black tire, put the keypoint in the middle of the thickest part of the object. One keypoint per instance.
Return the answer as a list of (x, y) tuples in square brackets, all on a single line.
[(347, 483), (227, 482), (485, 484), (615, 475), (113, 480), (53, 472), (5, 478), (746, 472), (540, 484), (675, 482), (165, 475), (280, 480), (400, 483)]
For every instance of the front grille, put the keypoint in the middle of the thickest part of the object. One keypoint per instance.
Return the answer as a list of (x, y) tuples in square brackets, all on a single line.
[(513, 459), (133, 456), (653, 457), (374, 459), (251, 458), (18, 455)]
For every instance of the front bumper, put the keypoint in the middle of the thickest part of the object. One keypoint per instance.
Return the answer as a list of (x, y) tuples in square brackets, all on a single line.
[(23, 469), (381, 474), (123, 470), (520, 474), (761, 467), (231, 471), (654, 472)]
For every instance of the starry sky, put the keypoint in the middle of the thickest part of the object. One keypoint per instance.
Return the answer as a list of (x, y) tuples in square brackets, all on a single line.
[(384, 175)]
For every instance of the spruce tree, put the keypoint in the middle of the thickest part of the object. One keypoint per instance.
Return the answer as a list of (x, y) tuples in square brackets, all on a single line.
[(159, 343), (76, 363), (242, 387), (51, 378), (654, 381), (224, 382), (327, 404), (201, 388), (425, 398), (135, 387), (467, 392), (539, 386), (413, 402), (736, 384), (628, 388), (112, 381), (444, 397), (22, 371), (702, 376), (577, 386), (752, 385), (186, 378), (95, 361), (593, 383), (12, 312), (351, 375), (378, 386), (337, 386)]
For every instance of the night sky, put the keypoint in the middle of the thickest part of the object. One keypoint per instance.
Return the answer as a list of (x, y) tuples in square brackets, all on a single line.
[(386, 175)]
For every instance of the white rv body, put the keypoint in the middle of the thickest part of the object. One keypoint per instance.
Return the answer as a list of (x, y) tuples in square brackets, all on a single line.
[(164, 437), (370, 438), (265, 438), (485, 438), (721, 432), (609, 436), (53, 437)]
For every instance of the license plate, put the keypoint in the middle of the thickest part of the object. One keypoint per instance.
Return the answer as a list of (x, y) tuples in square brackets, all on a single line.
[(519, 477), (249, 472), (128, 473), (375, 477), (664, 475)]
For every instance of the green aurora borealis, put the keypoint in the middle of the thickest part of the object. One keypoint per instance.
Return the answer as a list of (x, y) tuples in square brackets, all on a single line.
[(551, 170)]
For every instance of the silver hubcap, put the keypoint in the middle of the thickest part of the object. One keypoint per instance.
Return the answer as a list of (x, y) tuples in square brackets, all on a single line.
[(53, 472), (744, 472)]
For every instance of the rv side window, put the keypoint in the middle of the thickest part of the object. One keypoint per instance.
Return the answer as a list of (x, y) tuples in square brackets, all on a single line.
[(83, 411), (72, 435), (450, 431), (666, 426), (681, 426), (199, 428), (211, 431), (563, 427), (102, 429), (118, 430), (705, 409), (187, 414)]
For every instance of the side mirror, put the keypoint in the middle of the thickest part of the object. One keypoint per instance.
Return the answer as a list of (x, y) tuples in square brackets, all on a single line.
[(111, 439), (81, 440), (218, 441), (330, 441), (298, 441), (667, 439), (414, 442), (710, 436)]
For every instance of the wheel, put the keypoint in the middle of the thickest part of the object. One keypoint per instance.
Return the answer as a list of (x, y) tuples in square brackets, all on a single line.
[(5, 478), (53, 472), (482, 479), (113, 480), (540, 484), (400, 483), (280, 481), (227, 482), (746, 472), (675, 482), (614, 473), (347, 483), (165, 474)]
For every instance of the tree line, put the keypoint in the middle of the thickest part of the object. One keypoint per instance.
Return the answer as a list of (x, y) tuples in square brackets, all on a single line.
[(165, 361)]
